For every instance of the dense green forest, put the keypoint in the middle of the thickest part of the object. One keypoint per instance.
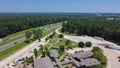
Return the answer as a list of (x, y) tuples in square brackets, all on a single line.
[(94, 26), (14, 23)]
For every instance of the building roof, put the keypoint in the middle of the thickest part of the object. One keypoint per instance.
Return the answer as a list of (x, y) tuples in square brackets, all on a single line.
[(81, 55), (77, 64), (43, 63), (54, 53), (90, 62)]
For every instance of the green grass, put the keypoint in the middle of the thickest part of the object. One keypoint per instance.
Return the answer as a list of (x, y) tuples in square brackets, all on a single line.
[(9, 41), (98, 54), (13, 49), (56, 41), (10, 51)]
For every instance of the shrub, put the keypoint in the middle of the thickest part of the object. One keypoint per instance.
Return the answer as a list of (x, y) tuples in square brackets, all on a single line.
[(61, 36), (81, 44), (62, 47), (98, 54), (88, 44), (62, 30), (67, 42)]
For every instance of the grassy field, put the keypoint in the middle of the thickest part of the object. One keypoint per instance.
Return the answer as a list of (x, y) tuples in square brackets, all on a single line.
[(56, 41), (13, 49)]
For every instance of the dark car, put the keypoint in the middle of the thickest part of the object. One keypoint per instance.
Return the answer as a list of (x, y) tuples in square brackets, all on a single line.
[(15, 42)]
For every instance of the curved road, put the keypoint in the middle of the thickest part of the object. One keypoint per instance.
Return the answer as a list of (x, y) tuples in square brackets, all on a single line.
[(110, 53)]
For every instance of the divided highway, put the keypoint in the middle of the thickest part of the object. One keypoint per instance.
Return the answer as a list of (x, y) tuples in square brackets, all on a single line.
[(12, 44), (20, 40)]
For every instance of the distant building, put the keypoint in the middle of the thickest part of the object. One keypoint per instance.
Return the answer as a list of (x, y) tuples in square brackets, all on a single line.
[(43, 63), (99, 38)]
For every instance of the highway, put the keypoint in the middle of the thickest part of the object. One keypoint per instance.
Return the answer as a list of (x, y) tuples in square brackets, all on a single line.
[(25, 52), (13, 37), (12, 44), (20, 40)]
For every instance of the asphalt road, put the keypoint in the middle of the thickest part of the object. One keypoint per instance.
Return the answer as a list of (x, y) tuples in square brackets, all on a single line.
[(25, 52), (20, 40), (12, 44), (10, 38)]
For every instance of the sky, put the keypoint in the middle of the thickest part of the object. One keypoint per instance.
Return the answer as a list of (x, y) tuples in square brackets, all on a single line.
[(74, 6)]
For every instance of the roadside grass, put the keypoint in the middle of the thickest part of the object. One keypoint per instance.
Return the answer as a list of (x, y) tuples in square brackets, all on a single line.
[(5, 53), (13, 40)]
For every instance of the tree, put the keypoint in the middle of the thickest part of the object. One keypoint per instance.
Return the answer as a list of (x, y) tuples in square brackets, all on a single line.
[(62, 48), (61, 36), (67, 42), (35, 53), (62, 30), (51, 36), (13, 23), (28, 34), (44, 50), (37, 33), (81, 44), (88, 44)]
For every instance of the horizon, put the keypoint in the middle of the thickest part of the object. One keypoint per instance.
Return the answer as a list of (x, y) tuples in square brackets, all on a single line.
[(62, 6)]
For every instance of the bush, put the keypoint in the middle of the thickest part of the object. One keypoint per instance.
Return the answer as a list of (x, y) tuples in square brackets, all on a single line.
[(67, 42), (88, 44), (62, 47), (98, 54), (61, 36), (81, 44), (62, 30), (51, 36)]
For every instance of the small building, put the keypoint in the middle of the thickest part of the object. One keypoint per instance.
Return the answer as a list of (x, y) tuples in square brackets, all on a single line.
[(91, 62), (54, 54), (82, 55), (99, 38), (43, 63)]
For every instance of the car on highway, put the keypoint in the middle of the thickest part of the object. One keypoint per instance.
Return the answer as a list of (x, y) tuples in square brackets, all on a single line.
[(15, 42)]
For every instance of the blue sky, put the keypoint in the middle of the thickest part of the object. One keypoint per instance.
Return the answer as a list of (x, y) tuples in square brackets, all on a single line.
[(60, 6)]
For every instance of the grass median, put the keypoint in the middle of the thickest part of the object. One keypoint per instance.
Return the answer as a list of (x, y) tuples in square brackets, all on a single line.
[(4, 54), (13, 40)]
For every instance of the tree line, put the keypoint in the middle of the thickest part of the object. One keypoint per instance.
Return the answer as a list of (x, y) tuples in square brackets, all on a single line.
[(94, 26), (10, 24)]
